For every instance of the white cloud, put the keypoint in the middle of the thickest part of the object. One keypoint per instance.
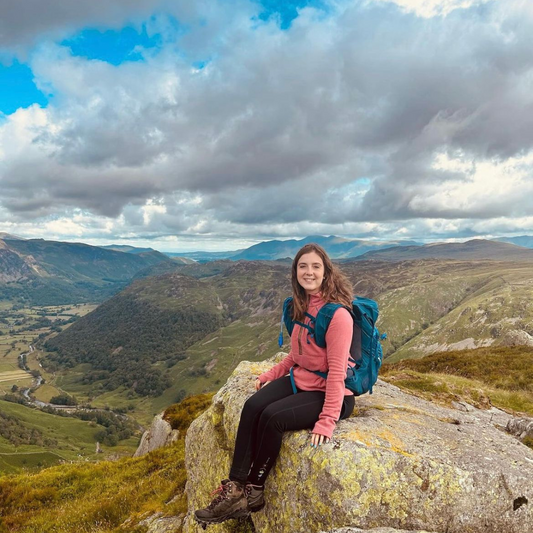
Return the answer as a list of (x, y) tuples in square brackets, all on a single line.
[(369, 120)]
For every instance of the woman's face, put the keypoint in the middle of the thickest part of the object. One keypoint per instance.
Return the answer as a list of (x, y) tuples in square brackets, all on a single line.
[(310, 272)]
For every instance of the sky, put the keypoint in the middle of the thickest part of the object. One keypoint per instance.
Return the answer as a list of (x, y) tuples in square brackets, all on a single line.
[(213, 125)]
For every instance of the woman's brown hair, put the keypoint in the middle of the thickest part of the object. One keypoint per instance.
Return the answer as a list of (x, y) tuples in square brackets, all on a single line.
[(335, 288)]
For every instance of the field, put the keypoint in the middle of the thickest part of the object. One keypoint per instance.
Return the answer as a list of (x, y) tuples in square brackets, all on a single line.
[(20, 327), (73, 439)]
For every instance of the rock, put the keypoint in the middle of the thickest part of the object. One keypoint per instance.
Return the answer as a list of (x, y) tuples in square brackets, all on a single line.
[(376, 530), (520, 427), (162, 524), (160, 434), (401, 462)]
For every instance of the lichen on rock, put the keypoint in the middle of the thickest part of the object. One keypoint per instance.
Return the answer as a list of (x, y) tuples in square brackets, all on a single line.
[(400, 463)]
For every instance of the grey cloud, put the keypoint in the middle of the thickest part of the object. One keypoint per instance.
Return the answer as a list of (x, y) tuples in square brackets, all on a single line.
[(279, 121), (23, 23)]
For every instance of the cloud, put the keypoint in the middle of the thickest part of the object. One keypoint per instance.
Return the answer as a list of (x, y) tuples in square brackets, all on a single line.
[(365, 117)]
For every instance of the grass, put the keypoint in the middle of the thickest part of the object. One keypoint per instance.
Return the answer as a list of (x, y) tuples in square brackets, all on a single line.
[(106, 497), (75, 439), (484, 377)]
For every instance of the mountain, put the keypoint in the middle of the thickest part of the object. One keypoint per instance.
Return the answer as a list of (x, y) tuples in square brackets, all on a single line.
[(203, 257), (524, 240), (336, 247), (7, 236), (470, 250), (49, 272), (127, 249)]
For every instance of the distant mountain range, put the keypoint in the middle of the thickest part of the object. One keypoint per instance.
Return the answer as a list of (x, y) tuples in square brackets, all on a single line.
[(343, 248), (524, 240), (49, 272), (470, 250), (336, 247)]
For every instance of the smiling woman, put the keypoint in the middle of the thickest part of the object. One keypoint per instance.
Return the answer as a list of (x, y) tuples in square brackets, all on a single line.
[(302, 400)]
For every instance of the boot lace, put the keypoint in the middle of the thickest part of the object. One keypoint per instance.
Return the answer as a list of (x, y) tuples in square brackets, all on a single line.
[(222, 492)]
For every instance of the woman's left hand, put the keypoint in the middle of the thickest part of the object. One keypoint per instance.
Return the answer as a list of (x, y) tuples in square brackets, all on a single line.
[(317, 440)]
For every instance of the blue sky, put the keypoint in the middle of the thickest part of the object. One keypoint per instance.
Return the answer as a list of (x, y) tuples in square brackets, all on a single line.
[(218, 124), (114, 46)]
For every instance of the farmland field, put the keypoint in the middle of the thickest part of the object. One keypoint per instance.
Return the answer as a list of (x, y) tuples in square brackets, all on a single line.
[(20, 327)]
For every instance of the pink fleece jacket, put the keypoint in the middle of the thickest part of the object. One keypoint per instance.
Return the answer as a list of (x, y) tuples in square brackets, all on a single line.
[(332, 359)]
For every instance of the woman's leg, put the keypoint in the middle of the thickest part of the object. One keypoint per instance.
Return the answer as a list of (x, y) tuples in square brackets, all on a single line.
[(295, 412), (247, 432)]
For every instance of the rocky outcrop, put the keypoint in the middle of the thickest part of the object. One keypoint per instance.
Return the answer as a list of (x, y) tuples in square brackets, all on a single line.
[(400, 463), (520, 427), (160, 434)]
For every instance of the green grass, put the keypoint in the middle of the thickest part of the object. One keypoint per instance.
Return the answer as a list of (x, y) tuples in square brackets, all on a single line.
[(502, 377), (75, 438), (16, 339), (104, 497)]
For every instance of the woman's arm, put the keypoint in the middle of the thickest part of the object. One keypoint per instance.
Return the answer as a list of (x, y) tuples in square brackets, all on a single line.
[(279, 370), (338, 342)]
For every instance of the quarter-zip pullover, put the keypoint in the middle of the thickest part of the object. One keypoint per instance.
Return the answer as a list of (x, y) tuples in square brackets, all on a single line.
[(305, 356)]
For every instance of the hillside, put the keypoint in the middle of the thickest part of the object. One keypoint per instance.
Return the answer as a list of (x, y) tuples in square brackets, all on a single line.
[(476, 249), (54, 273), (171, 333), (180, 334), (109, 496)]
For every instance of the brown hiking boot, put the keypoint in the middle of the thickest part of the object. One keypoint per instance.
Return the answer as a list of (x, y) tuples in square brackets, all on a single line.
[(256, 498), (231, 502)]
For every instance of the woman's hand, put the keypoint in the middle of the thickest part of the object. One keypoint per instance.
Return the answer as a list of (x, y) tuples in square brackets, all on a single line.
[(258, 384), (317, 440)]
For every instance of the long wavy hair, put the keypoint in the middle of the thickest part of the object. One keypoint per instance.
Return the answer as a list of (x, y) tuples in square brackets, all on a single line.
[(335, 288)]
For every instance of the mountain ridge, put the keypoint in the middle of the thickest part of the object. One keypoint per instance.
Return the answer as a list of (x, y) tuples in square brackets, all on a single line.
[(475, 249), (53, 272)]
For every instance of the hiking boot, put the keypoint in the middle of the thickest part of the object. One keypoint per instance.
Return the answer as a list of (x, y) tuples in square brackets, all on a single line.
[(255, 495), (231, 502)]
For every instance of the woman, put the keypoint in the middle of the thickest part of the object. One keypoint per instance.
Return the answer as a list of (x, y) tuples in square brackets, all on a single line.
[(318, 403)]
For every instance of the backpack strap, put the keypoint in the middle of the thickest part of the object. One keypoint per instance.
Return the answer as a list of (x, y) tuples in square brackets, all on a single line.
[(293, 384), (323, 319), (286, 318)]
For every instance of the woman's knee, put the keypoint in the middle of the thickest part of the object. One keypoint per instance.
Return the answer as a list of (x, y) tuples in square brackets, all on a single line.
[(252, 407), (272, 419)]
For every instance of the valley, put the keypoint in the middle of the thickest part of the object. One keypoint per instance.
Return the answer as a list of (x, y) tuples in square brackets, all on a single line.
[(180, 328), (31, 437)]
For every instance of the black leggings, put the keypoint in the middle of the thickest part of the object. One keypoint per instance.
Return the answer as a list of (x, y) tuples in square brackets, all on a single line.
[(265, 416)]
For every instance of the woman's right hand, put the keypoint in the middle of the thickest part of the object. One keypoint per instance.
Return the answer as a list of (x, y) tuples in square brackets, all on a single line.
[(258, 384)]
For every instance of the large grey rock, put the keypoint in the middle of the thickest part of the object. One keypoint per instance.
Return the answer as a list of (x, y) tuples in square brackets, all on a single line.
[(160, 434), (400, 463)]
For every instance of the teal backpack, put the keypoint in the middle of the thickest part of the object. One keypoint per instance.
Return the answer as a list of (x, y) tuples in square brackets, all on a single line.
[(366, 354)]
